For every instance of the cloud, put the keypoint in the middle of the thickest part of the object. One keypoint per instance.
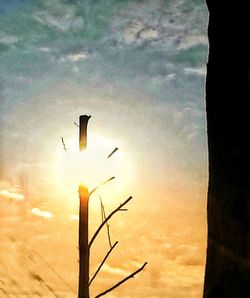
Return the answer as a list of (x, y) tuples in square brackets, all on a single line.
[(137, 31), (149, 34), (195, 71), (59, 16), (77, 57), (131, 31), (39, 212), (45, 49), (190, 41), (113, 270), (62, 24), (8, 39), (11, 195)]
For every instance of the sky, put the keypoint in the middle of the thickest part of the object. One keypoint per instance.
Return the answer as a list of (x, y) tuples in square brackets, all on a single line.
[(138, 68)]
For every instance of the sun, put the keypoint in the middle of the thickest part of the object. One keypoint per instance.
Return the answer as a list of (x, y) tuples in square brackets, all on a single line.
[(92, 166)]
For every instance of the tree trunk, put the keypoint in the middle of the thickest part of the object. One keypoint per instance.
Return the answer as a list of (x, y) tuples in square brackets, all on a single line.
[(227, 103), (83, 120), (83, 289)]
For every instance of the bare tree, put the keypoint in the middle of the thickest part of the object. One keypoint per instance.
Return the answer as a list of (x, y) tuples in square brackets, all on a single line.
[(84, 245)]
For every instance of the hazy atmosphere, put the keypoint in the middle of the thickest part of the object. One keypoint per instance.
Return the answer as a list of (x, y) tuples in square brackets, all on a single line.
[(138, 68)]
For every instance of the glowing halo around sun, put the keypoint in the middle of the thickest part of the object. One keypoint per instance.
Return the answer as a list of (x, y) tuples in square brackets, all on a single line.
[(91, 167)]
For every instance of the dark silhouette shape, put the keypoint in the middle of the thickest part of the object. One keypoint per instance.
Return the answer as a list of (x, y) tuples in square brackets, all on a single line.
[(64, 146), (84, 246), (83, 120), (103, 261), (122, 281), (112, 152), (227, 103), (83, 286)]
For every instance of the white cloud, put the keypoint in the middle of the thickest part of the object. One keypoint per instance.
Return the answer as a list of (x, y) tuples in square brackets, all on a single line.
[(192, 40), (137, 31), (77, 57), (11, 195), (8, 39), (149, 34), (113, 270), (45, 49), (131, 31), (60, 17), (39, 212), (195, 71)]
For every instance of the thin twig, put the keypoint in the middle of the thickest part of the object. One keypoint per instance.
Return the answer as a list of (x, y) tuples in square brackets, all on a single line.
[(112, 152), (103, 261), (106, 220), (64, 146), (107, 225), (122, 281), (51, 268), (76, 124), (93, 190), (101, 210)]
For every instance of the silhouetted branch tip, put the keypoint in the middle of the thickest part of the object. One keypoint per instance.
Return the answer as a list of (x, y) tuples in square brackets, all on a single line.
[(93, 190), (132, 275), (112, 152), (64, 146)]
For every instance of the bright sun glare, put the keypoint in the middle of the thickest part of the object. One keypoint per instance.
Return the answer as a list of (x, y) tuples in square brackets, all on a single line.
[(91, 167)]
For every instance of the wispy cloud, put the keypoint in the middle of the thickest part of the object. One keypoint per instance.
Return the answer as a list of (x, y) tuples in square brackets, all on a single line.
[(114, 270), (11, 195), (192, 40), (39, 212), (195, 71), (8, 39), (137, 31), (59, 16)]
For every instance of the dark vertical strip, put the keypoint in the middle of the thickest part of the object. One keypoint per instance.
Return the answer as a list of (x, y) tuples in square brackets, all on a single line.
[(83, 288), (83, 120), (228, 114)]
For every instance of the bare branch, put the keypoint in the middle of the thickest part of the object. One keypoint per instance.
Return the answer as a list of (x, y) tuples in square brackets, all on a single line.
[(107, 225), (112, 152), (93, 190), (122, 281), (103, 261), (76, 124), (106, 220), (64, 146)]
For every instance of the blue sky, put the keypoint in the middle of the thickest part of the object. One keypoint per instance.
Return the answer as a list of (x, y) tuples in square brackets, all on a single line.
[(156, 50), (138, 67)]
